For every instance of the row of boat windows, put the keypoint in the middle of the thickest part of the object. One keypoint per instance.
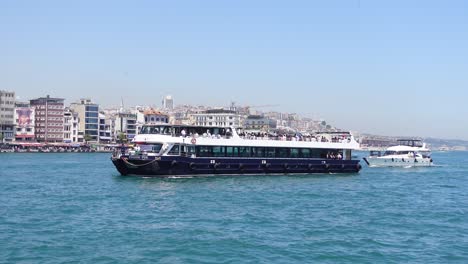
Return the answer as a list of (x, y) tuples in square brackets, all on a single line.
[(177, 131), (392, 152), (256, 152)]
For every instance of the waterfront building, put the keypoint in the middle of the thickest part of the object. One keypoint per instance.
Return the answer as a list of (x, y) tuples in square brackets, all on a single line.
[(140, 117), (88, 113), (105, 128), (24, 122), (126, 123), (7, 118), (217, 117), (257, 122), (180, 118), (153, 116), (49, 118), (168, 103), (70, 127)]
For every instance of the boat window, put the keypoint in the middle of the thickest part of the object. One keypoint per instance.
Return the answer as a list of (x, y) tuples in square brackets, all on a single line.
[(258, 152), (294, 153), (232, 151), (321, 153), (305, 153), (174, 150), (144, 130), (191, 149), (390, 152), (183, 150), (410, 142), (270, 152), (150, 130), (204, 151), (166, 130), (151, 147), (155, 130), (244, 151), (218, 151), (157, 148), (282, 153)]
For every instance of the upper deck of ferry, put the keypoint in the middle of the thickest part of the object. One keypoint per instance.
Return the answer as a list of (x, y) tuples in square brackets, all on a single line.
[(227, 133)]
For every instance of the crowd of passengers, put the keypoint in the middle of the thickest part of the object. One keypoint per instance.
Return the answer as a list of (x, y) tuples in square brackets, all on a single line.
[(296, 137), (226, 133), (282, 137)]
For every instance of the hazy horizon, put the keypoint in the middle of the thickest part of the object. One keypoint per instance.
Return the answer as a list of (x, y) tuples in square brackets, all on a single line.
[(389, 68)]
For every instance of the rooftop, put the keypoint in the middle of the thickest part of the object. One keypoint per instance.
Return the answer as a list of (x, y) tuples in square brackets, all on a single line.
[(152, 111)]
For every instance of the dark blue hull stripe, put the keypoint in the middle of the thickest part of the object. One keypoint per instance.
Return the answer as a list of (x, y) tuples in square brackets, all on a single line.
[(173, 166)]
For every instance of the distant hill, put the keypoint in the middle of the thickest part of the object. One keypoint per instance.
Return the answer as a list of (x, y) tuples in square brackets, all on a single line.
[(435, 144), (447, 144)]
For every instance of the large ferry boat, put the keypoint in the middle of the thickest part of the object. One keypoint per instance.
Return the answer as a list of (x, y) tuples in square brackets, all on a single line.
[(173, 150), (408, 153)]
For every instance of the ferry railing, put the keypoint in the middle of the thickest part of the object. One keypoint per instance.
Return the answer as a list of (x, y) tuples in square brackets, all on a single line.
[(302, 139), (342, 139), (322, 139)]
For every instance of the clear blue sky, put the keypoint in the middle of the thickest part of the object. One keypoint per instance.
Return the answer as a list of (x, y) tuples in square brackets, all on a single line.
[(385, 67)]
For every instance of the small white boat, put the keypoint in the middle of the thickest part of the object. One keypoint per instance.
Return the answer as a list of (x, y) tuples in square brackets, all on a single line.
[(408, 153)]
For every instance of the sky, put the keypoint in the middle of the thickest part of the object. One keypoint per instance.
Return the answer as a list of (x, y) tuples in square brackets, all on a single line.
[(384, 67)]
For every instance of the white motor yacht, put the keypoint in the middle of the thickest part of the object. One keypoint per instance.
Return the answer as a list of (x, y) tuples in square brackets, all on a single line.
[(408, 153)]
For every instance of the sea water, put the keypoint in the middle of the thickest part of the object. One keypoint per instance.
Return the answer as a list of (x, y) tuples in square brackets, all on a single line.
[(76, 208)]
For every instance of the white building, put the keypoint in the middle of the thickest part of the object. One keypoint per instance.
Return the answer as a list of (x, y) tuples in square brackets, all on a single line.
[(125, 123), (153, 116), (168, 103), (88, 112), (217, 117), (7, 116), (71, 127), (106, 125), (258, 122)]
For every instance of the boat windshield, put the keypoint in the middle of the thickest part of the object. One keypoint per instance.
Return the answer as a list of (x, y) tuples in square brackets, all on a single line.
[(155, 148), (410, 142), (164, 130), (392, 152)]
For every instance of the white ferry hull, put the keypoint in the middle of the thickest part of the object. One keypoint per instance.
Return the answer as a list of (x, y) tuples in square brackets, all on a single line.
[(398, 162)]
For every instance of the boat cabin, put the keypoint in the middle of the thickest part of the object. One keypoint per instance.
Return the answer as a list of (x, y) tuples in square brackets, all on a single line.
[(410, 142)]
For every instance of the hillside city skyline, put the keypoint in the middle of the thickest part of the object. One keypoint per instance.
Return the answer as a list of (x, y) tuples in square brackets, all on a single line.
[(387, 68), (253, 110)]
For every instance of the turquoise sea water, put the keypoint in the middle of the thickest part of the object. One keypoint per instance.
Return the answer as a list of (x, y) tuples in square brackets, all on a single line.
[(75, 208)]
